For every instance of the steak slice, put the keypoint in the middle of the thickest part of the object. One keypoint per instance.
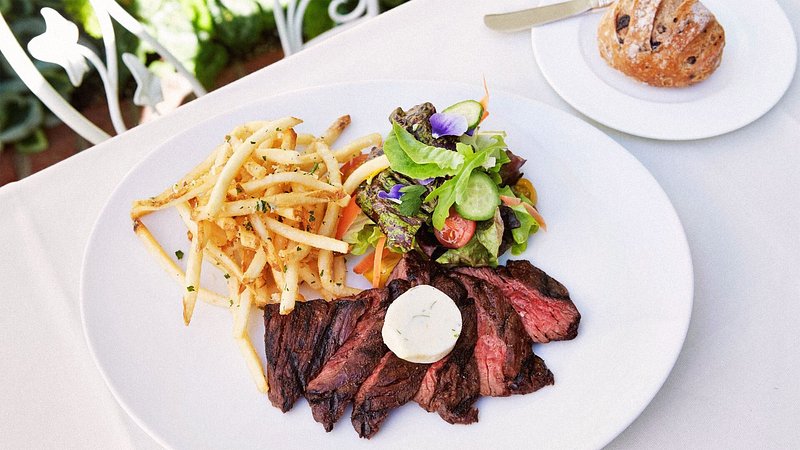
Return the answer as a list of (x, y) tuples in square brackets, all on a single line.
[(393, 383), (504, 352), (414, 268), (542, 303), (334, 388), (297, 345), (451, 385)]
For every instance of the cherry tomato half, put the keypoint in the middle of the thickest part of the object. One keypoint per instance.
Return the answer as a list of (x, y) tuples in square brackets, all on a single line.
[(456, 232)]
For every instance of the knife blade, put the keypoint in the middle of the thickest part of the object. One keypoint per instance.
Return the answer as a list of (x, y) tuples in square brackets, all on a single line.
[(528, 18)]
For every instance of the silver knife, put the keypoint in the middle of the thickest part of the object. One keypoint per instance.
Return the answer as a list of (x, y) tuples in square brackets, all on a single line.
[(528, 18)]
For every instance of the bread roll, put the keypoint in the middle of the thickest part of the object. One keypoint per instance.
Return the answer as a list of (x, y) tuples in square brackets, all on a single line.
[(665, 43)]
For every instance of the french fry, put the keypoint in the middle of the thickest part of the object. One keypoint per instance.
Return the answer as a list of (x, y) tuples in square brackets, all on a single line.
[(290, 286), (253, 363), (256, 265), (335, 130), (263, 208), (241, 313), (277, 201), (354, 148), (365, 171), (170, 267), (240, 155), (280, 156), (302, 179), (192, 281), (314, 240)]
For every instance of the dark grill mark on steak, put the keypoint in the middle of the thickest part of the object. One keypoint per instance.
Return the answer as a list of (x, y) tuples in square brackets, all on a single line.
[(334, 388), (393, 383), (292, 331), (542, 303), (297, 345)]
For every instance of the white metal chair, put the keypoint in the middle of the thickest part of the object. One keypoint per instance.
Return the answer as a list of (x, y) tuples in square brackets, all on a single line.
[(59, 45), (290, 23)]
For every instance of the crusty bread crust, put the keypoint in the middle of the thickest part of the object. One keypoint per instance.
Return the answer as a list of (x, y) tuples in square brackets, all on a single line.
[(665, 43)]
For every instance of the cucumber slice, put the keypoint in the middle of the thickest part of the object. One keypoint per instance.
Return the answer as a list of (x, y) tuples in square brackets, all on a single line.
[(470, 109), (480, 199)]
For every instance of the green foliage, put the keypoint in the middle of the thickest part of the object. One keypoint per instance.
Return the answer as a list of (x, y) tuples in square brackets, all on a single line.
[(205, 35), (22, 115), (316, 21)]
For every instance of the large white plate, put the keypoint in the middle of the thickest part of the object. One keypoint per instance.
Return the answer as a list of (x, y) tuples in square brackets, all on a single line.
[(614, 240), (758, 64)]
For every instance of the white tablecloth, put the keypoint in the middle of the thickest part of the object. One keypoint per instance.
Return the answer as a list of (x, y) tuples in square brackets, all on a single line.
[(735, 384)]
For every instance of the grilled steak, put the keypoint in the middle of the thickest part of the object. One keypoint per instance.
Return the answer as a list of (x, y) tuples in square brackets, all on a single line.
[(333, 352), (297, 345), (503, 350), (393, 383), (337, 383), (414, 268), (451, 385), (542, 302)]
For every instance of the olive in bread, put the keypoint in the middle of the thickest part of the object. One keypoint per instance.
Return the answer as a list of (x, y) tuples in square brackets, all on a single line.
[(664, 43)]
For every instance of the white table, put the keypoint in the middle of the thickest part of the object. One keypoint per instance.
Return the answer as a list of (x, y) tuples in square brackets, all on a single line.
[(735, 384)]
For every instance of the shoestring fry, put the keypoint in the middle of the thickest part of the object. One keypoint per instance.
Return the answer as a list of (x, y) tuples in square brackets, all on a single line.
[(263, 208)]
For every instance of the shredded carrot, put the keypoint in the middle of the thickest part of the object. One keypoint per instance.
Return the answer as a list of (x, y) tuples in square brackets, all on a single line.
[(513, 201), (510, 201), (376, 263), (349, 214), (535, 213), (485, 101), (365, 264)]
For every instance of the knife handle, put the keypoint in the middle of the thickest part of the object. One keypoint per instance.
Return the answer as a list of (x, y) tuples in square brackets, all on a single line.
[(601, 3)]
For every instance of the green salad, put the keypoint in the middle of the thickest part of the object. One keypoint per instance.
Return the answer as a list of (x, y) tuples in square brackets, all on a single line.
[(452, 191)]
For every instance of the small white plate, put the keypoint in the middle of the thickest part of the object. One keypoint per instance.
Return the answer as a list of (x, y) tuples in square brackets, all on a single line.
[(758, 64), (613, 239)]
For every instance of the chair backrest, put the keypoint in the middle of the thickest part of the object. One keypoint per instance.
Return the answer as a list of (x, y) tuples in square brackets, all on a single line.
[(59, 45), (290, 22)]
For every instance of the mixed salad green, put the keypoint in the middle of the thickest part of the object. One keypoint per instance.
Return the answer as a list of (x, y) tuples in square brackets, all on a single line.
[(452, 191)]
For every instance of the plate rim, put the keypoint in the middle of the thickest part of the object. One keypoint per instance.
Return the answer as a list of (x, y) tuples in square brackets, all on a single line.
[(621, 151), (615, 122)]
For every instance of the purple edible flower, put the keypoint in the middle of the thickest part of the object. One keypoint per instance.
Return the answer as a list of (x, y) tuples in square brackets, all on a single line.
[(426, 181), (446, 124), (393, 194)]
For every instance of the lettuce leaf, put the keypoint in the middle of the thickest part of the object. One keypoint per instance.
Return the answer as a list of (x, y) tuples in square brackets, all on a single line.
[(414, 159), (362, 234), (528, 225), (400, 229), (426, 154)]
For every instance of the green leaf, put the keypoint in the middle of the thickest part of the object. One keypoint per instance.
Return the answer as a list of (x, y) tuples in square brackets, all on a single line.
[(411, 200), (528, 225), (445, 196), (316, 20), (237, 23), (401, 163), (426, 154), (36, 142), (362, 235)]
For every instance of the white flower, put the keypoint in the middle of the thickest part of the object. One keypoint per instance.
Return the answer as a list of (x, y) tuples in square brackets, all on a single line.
[(148, 85), (59, 45)]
